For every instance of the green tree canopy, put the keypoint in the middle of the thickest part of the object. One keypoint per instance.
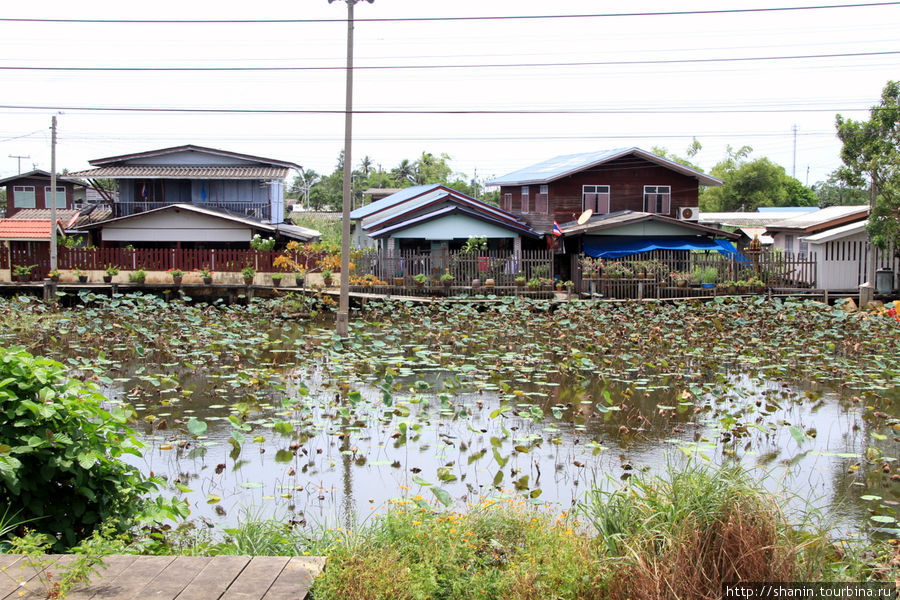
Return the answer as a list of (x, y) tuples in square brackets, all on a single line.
[(749, 184), (871, 155), (835, 192)]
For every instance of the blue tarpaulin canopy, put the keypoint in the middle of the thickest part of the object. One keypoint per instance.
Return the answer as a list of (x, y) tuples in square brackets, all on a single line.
[(617, 247)]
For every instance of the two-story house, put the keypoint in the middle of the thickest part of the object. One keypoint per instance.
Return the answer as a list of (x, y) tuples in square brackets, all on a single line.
[(245, 185), (32, 191), (611, 181)]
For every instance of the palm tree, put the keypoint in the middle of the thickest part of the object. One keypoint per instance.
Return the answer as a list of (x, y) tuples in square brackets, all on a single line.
[(365, 165), (405, 172)]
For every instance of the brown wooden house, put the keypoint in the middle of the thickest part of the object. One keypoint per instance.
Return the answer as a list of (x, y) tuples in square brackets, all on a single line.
[(562, 188), (32, 189)]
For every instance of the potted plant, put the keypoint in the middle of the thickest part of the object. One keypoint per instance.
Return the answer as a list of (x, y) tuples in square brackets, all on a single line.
[(489, 282), (80, 275), (177, 275), (110, 272), (520, 280), (446, 278), (53, 275), (276, 279), (707, 276), (248, 273), (137, 276), (420, 279), (22, 272), (299, 276), (205, 275), (533, 284), (328, 277), (398, 278)]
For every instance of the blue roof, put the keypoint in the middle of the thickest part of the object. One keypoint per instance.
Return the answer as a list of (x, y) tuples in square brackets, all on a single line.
[(430, 197), (392, 200), (561, 166)]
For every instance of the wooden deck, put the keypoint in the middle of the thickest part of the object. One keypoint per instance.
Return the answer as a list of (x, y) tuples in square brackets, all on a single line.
[(126, 577)]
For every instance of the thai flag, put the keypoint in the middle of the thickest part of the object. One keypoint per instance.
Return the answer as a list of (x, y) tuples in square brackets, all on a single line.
[(556, 230)]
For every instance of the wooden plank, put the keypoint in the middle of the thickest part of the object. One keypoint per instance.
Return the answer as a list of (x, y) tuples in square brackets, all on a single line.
[(256, 578), (215, 578), (38, 589), (131, 582), (112, 567), (296, 578), (22, 576), (175, 578)]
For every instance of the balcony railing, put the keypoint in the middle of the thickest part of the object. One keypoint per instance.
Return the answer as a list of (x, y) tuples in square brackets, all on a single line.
[(252, 210)]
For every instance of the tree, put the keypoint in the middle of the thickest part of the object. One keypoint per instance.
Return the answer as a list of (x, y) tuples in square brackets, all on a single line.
[(691, 152), (835, 192), (404, 174), (749, 184), (302, 183), (871, 155)]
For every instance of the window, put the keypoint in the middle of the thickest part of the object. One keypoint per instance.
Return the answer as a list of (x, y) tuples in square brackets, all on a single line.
[(60, 196), (804, 248), (789, 244), (595, 198), (657, 199), (23, 196), (507, 203), (525, 199), (541, 201)]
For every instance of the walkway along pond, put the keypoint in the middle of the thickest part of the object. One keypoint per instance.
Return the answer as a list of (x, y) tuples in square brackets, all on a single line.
[(247, 408)]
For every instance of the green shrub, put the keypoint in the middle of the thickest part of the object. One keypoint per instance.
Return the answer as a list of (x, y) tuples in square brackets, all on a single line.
[(60, 454)]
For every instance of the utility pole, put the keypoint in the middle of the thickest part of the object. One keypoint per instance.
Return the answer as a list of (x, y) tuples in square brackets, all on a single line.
[(342, 323), (794, 168), (52, 194), (19, 157)]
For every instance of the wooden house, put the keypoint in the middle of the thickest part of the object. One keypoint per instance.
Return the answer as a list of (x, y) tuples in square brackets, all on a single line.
[(611, 181), (241, 184), (32, 190), (434, 217)]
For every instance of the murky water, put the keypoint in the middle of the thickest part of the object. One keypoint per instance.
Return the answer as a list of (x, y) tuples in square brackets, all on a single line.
[(328, 457)]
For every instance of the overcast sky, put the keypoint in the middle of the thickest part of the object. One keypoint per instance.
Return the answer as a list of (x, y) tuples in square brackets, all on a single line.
[(649, 81)]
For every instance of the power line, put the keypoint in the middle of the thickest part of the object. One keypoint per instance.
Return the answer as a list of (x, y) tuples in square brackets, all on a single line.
[(471, 66), (441, 19), (288, 111)]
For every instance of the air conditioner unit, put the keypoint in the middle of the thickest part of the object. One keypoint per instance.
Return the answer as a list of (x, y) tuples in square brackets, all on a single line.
[(689, 213)]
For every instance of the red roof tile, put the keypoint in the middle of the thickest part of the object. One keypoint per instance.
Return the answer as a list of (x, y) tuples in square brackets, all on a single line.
[(20, 229)]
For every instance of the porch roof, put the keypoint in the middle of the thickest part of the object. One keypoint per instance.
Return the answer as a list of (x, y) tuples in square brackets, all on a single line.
[(518, 228), (627, 217), (185, 172), (21, 230)]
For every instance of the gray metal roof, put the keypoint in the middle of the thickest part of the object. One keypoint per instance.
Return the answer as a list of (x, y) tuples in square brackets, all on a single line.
[(193, 148), (435, 196), (821, 218), (392, 200), (625, 217), (184, 172), (747, 219), (562, 166), (519, 228)]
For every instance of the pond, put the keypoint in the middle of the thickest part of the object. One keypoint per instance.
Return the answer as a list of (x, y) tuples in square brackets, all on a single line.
[(263, 409)]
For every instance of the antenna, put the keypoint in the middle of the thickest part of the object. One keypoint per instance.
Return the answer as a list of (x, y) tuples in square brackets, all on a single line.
[(19, 157)]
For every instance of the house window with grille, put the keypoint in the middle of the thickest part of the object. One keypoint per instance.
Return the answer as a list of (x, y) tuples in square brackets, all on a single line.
[(60, 197), (526, 199), (507, 202), (657, 199), (595, 198), (23, 196)]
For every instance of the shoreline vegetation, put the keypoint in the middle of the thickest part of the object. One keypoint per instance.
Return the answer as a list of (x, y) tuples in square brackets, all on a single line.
[(679, 533)]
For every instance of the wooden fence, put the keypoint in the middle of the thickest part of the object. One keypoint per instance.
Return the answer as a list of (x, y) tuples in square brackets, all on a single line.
[(159, 259), (657, 274), (502, 267)]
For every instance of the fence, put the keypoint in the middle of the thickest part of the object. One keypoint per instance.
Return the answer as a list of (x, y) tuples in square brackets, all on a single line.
[(502, 267), (161, 259), (666, 273)]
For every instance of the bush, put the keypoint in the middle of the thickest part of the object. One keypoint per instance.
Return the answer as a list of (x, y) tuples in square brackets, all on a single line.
[(59, 454)]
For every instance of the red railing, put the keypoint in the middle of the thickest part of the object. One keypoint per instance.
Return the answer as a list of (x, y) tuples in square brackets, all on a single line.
[(162, 259)]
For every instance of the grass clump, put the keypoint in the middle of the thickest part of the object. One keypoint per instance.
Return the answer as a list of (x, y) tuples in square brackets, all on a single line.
[(498, 549)]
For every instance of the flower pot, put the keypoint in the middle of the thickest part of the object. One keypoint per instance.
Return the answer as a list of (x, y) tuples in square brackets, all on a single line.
[(447, 282), (708, 286), (476, 283), (107, 278), (177, 280), (22, 278), (54, 278), (327, 281), (207, 280), (82, 279), (489, 283), (520, 283), (682, 283), (298, 281), (248, 281), (277, 282), (398, 281)]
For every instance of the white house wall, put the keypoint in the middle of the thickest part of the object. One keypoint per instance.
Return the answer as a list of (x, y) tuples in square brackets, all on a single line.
[(843, 264), (648, 228), (175, 227)]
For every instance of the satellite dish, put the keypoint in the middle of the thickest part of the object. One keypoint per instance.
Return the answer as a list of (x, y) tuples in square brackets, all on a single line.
[(583, 217)]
